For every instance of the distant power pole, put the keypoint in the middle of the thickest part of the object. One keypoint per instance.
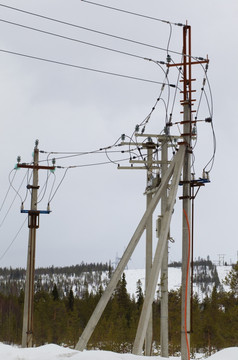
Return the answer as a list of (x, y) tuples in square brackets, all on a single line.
[(33, 224)]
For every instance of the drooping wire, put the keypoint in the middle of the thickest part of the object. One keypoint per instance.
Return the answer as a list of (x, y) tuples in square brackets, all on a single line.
[(106, 153), (212, 160), (52, 187), (209, 87), (13, 240), (81, 67), (44, 187), (27, 190), (57, 188), (175, 93), (10, 183), (78, 153), (146, 120), (17, 194), (5, 197)]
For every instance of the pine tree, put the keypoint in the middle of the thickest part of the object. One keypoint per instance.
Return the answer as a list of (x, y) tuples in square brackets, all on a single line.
[(139, 294), (55, 293), (231, 280), (71, 300)]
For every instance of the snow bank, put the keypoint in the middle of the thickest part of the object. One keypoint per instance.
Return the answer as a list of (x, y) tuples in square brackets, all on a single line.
[(55, 352), (226, 354)]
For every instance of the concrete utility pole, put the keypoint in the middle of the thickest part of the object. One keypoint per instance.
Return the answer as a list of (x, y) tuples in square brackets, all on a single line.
[(149, 246), (186, 246), (187, 104), (164, 329), (33, 224), (160, 262)]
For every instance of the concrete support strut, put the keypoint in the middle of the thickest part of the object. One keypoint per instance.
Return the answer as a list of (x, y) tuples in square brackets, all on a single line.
[(156, 267), (174, 167)]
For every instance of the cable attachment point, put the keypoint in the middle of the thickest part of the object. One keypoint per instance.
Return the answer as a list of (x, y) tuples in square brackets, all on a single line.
[(208, 120), (168, 59)]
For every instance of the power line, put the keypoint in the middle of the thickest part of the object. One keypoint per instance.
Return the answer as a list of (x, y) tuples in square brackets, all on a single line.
[(5, 197), (73, 39), (15, 237), (132, 13), (82, 67), (93, 30)]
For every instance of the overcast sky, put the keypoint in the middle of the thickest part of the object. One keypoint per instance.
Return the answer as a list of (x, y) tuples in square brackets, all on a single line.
[(97, 208)]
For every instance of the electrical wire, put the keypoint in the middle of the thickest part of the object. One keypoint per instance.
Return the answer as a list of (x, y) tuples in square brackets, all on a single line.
[(212, 160), (100, 32), (44, 187), (132, 13), (74, 40), (52, 188), (10, 183), (145, 122), (81, 67), (17, 194), (5, 197), (57, 188), (94, 164), (78, 153), (209, 87), (14, 239)]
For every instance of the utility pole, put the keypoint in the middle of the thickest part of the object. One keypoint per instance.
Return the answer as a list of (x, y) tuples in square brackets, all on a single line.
[(33, 224), (187, 122), (167, 194), (164, 329), (149, 244)]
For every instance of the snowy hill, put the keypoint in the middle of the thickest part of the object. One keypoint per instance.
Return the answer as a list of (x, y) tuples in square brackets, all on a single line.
[(202, 288), (206, 275)]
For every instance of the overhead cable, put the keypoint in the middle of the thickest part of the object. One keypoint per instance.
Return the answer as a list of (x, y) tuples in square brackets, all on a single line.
[(82, 67), (132, 13), (73, 39), (5, 197), (13, 240), (98, 32)]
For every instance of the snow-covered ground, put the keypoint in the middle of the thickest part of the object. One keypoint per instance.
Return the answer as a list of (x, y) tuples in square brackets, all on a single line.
[(55, 352)]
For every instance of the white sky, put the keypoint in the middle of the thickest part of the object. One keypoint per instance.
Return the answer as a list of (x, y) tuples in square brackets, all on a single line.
[(96, 209)]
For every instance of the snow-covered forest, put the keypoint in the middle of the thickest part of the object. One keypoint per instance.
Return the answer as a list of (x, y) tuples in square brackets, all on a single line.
[(66, 297)]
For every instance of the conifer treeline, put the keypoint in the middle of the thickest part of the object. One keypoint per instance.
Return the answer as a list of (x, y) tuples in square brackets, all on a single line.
[(60, 318)]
